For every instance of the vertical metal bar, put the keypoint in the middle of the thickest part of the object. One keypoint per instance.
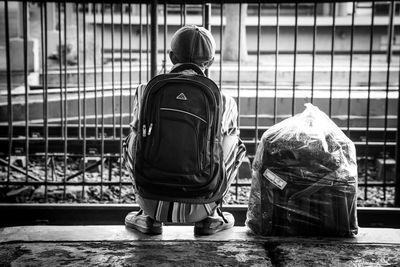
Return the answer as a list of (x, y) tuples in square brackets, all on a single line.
[(112, 69), (257, 74), (120, 104), (351, 70), (43, 11), (84, 102), (25, 29), (140, 43), (60, 59), (165, 36), (368, 99), (276, 65), (390, 32), (207, 25), (53, 166), (239, 60), (332, 56), (202, 13), (65, 134), (295, 58), (238, 87), (102, 101), (220, 43), (95, 71), (397, 182), (109, 168), (207, 16), (130, 62), (313, 51), (182, 12), (78, 70), (46, 94), (154, 37), (148, 69), (9, 98)]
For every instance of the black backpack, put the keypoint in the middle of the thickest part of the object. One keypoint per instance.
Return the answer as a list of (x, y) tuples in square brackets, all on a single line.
[(179, 144)]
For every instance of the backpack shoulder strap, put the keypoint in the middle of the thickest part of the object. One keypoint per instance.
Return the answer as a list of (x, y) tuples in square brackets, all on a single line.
[(187, 66)]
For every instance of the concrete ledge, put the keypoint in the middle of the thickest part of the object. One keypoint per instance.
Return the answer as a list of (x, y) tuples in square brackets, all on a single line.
[(119, 233), (177, 246)]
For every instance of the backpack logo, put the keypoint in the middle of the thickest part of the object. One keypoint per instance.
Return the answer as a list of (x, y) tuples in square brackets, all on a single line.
[(181, 96)]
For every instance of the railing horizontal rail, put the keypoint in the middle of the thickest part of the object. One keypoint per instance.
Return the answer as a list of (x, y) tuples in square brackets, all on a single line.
[(246, 131), (126, 183), (56, 145), (200, 2), (75, 106), (113, 214)]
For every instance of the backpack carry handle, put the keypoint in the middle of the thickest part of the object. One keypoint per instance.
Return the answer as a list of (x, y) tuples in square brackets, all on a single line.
[(187, 66)]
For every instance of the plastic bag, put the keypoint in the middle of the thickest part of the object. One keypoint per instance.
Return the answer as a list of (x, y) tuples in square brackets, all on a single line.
[(304, 179)]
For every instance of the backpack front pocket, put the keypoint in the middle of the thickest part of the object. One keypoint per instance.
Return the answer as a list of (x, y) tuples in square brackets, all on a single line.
[(177, 142)]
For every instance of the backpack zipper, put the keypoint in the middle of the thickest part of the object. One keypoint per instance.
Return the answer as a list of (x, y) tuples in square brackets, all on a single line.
[(144, 130), (185, 112)]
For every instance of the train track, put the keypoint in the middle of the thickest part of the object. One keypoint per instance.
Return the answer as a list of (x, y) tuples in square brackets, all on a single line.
[(107, 138)]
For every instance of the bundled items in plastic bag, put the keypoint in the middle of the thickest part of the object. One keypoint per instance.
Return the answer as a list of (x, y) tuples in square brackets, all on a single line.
[(304, 179)]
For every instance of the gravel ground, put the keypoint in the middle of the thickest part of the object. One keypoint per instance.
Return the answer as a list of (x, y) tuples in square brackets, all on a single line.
[(372, 197)]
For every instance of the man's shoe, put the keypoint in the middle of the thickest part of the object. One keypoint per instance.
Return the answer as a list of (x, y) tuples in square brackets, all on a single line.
[(143, 223), (213, 224)]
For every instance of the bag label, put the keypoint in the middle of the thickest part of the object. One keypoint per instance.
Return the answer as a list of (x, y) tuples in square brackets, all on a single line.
[(275, 179)]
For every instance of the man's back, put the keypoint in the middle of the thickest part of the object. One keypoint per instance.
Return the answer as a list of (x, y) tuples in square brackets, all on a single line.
[(201, 171), (180, 116)]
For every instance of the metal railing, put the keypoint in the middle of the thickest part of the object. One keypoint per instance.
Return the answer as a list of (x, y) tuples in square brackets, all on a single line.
[(71, 69)]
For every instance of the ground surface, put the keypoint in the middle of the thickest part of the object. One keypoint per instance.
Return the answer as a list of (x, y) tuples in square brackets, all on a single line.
[(177, 246), (197, 254)]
